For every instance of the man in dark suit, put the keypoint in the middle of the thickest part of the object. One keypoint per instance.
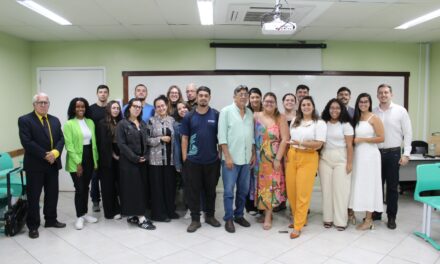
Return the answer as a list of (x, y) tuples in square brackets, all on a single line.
[(43, 142)]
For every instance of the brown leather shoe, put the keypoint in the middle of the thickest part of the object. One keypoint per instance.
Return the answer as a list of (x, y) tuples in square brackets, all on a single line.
[(241, 221), (193, 226), (210, 220), (229, 226)]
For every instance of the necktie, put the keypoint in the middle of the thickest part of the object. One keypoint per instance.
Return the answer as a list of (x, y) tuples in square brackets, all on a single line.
[(47, 130)]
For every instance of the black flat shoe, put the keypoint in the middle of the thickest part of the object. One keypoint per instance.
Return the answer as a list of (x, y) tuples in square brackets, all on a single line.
[(34, 234), (133, 220), (55, 224), (147, 224), (174, 216), (391, 224), (164, 220), (280, 207)]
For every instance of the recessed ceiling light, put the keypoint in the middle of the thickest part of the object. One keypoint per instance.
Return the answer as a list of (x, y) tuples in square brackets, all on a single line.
[(206, 11), (44, 12), (419, 20)]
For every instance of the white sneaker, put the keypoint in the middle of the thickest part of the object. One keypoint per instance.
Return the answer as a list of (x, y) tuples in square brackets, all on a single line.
[(90, 219), (117, 217), (79, 224)]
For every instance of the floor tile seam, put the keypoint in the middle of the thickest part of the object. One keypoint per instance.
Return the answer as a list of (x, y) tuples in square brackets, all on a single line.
[(93, 259), (26, 250)]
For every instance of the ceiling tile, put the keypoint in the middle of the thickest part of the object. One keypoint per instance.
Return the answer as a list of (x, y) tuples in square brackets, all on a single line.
[(193, 32), (344, 14), (133, 12), (109, 32), (181, 12), (151, 31)]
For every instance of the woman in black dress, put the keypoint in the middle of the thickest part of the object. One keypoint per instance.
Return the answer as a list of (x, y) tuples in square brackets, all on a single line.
[(109, 160), (131, 135)]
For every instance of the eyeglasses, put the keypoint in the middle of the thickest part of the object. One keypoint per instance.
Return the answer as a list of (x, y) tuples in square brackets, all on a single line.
[(42, 103), (269, 102), (364, 101), (242, 95), (136, 106)]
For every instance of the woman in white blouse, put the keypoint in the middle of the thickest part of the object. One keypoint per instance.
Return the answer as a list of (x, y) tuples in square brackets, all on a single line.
[(307, 134), (335, 165), (82, 155)]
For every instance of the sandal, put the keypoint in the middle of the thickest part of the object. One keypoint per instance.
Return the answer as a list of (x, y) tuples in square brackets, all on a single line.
[(268, 225), (295, 234), (328, 224), (147, 224), (352, 219)]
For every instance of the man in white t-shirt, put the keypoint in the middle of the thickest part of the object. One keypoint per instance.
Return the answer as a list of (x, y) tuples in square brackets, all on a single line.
[(398, 130)]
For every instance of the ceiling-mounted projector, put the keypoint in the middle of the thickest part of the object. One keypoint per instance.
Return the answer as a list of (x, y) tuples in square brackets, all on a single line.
[(277, 26)]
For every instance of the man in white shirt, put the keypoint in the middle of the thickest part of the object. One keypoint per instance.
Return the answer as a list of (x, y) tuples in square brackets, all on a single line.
[(191, 95), (398, 129)]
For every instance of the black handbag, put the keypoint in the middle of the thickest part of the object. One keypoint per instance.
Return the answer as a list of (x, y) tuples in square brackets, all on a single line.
[(15, 216)]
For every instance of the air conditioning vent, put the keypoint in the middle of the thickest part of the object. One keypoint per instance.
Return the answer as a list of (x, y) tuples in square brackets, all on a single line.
[(255, 16), (250, 14)]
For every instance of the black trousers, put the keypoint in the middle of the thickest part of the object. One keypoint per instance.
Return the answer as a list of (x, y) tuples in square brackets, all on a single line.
[(110, 189), (250, 204), (390, 177), (81, 183), (198, 178), (95, 192), (35, 182), (163, 191)]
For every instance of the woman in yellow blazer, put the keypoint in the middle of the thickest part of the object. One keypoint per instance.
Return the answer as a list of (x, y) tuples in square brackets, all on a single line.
[(82, 155)]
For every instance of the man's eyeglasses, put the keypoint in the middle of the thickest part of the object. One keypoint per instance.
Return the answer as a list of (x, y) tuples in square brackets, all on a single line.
[(242, 95), (42, 103)]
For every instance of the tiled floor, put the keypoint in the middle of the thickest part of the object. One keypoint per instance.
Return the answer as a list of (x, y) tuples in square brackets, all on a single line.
[(114, 241)]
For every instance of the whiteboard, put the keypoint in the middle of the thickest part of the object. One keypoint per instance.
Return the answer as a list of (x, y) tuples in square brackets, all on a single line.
[(323, 85)]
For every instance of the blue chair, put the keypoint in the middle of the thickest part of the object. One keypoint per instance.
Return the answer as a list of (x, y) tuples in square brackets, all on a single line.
[(428, 179)]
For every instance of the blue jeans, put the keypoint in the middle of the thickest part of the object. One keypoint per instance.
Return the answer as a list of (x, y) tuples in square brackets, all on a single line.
[(239, 175)]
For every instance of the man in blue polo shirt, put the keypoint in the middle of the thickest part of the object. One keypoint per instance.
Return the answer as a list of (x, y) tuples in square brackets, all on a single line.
[(201, 158), (141, 92)]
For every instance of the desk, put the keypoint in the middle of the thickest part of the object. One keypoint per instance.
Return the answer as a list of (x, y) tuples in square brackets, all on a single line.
[(408, 172)]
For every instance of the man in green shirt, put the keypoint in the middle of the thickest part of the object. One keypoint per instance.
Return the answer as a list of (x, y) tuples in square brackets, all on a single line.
[(236, 138)]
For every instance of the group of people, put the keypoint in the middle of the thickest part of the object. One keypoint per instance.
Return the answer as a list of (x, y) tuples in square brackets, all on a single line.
[(140, 152)]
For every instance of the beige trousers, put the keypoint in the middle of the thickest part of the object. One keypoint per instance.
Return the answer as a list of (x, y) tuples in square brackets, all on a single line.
[(335, 185)]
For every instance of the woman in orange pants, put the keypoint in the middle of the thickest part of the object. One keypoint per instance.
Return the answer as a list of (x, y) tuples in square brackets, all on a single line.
[(307, 134)]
